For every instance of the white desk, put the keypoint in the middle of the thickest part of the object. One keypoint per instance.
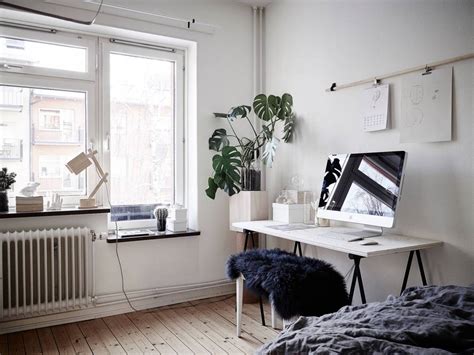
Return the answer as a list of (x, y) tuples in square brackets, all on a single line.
[(387, 244)]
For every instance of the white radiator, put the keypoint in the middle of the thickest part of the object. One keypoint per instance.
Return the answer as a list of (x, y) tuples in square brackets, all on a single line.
[(45, 271)]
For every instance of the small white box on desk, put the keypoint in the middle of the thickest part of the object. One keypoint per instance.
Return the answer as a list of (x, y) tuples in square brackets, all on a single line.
[(178, 214), (293, 213), (176, 226)]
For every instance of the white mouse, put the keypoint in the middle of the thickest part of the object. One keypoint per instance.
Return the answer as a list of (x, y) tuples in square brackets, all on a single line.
[(369, 242)]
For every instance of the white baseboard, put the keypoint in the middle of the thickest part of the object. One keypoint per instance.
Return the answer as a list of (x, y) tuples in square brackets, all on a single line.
[(109, 305)]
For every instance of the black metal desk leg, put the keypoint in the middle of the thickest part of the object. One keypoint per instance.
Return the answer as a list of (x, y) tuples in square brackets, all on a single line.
[(254, 244), (247, 235), (297, 247), (407, 271), (353, 283), (357, 276), (420, 266)]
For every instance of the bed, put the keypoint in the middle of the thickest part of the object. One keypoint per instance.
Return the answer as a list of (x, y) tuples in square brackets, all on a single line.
[(423, 320)]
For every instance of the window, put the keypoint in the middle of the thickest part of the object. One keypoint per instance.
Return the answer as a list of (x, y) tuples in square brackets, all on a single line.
[(50, 119), (46, 102), (52, 54), (49, 135), (145, 92), (11, 149), (49, 97), (43, 55), (49, 166)]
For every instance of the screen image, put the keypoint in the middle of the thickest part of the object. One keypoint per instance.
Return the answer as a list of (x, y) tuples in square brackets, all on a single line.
[(363, 183)]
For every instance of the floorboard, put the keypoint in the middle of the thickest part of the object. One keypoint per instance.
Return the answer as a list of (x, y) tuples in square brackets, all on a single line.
[(31, 341), (198, 327)]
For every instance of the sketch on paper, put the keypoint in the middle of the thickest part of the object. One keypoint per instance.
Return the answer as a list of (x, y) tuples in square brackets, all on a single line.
[(427, 107)]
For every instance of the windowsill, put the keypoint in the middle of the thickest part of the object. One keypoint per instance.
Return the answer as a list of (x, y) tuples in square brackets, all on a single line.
[(63, 212), (159, 235)]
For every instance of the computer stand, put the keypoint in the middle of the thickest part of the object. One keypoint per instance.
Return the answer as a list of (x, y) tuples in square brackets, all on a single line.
[(366, 232)]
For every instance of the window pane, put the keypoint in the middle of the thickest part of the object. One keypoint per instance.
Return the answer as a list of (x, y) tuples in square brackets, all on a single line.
[(377, 174), (142, 134), (43, 55), (362, 202), (40, 130)]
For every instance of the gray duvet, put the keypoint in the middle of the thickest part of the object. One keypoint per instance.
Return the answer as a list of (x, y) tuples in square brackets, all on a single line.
[(424, 320)]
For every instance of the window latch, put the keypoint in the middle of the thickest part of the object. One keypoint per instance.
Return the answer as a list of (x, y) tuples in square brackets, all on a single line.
[(10, 66)]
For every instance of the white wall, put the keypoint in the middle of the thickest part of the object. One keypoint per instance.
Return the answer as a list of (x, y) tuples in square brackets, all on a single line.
[(224, 79), (311, 44)]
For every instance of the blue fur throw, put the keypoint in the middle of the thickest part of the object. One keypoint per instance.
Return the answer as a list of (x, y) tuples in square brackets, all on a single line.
[(296, 286)]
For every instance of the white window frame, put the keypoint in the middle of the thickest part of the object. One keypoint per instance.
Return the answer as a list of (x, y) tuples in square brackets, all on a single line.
[(92, 82), (64, 39), (90, 89), (178, 57)]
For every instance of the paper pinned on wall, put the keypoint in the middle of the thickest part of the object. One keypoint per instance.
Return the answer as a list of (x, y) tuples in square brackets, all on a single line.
[(375, 108), (427, 107)]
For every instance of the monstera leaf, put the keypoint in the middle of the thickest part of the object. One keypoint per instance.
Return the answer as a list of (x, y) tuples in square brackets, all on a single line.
[(239, 112), (288, 128), (270, 151), (212, 188), (266, 107), (226, 167), (218, 140), (286, 107)]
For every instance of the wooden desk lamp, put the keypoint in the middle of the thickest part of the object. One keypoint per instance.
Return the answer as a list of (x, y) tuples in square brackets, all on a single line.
[(80, 163)]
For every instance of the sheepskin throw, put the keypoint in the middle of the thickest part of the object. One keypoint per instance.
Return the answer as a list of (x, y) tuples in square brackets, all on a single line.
[(296, 286)]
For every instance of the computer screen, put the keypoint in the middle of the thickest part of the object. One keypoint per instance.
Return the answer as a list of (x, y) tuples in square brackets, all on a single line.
[(362, 188)]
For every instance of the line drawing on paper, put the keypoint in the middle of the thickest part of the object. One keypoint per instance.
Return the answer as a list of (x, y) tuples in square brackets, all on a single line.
[(427, 107)]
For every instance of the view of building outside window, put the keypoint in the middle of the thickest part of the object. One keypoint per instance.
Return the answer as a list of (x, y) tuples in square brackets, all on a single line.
[(40, 130), (142, 134)]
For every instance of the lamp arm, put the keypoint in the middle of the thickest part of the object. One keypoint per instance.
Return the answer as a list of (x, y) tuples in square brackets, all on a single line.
[(99, 184), (102, 175), (92, 157)]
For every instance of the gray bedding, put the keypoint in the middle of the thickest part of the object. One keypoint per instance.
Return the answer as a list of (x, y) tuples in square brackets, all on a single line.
[(424, 320)]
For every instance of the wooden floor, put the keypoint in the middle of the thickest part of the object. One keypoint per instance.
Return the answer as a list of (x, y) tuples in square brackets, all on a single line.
[(200, 327)]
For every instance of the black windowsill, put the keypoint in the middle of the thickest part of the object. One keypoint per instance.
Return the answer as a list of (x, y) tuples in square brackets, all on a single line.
[(163, 235), (63, 212)]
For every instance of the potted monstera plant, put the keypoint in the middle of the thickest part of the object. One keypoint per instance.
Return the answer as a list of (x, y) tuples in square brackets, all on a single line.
[(235, 164)]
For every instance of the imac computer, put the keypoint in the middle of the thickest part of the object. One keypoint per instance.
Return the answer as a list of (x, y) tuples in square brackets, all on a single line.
[(363, 188)]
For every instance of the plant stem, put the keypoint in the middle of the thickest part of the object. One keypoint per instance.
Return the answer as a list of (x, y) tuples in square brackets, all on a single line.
[(235, 134), (251, 125)]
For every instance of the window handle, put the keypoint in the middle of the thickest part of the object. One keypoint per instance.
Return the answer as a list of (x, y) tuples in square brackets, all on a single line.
[(10, 66), (107, 142)]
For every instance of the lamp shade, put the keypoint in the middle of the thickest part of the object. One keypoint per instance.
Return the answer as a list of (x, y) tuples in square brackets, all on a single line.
[(78, 164)]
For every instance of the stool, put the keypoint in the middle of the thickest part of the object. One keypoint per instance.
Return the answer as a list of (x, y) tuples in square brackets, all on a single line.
[(295, 286)]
